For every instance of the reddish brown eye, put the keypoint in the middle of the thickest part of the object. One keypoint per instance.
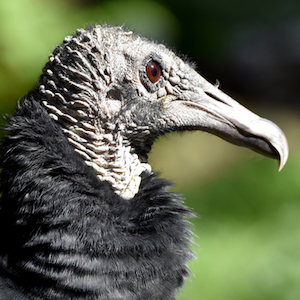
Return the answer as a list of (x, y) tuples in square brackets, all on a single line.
[(153, 71)]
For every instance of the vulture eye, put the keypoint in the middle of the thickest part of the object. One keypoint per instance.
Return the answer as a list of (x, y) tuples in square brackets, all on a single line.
[(153, 71)]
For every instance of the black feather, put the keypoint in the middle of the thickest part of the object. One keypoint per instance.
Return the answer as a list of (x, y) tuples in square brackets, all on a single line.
[(66, 235)]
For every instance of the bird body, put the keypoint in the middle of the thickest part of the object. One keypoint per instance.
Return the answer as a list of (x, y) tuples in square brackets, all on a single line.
[(82, 214), (70, 225)]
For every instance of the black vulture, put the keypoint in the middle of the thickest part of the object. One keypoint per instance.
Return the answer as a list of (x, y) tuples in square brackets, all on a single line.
[(82, 214)]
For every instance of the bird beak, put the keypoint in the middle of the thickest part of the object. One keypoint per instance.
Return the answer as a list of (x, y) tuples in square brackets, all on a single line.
[(209, 109)]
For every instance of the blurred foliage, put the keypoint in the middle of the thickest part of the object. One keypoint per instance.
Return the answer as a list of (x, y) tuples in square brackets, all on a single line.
[(249, 215), (31, 29), (248, 231)]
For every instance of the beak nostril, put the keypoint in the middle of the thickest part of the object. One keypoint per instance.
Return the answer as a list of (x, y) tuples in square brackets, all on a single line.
[(215, 97)]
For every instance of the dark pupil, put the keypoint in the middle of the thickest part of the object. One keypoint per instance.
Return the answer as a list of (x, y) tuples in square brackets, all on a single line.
[(154, 71)]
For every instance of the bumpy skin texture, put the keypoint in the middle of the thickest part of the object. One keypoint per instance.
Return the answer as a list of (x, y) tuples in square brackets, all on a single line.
[(82, 216)]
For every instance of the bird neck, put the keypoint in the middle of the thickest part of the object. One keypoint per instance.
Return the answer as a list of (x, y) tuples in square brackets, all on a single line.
[(108, 152), (103, 147)]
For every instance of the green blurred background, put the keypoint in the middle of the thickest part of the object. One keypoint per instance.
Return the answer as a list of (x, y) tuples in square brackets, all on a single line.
[(248, 221)]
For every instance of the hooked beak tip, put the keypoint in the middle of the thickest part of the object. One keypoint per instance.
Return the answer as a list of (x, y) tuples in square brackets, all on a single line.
[(283, 154)]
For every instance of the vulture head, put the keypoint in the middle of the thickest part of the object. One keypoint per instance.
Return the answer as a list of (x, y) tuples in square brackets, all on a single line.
[(114, 93), (82, 215)]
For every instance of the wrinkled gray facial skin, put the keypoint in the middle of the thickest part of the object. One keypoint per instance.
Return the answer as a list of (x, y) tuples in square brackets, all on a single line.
[(98, 86)]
